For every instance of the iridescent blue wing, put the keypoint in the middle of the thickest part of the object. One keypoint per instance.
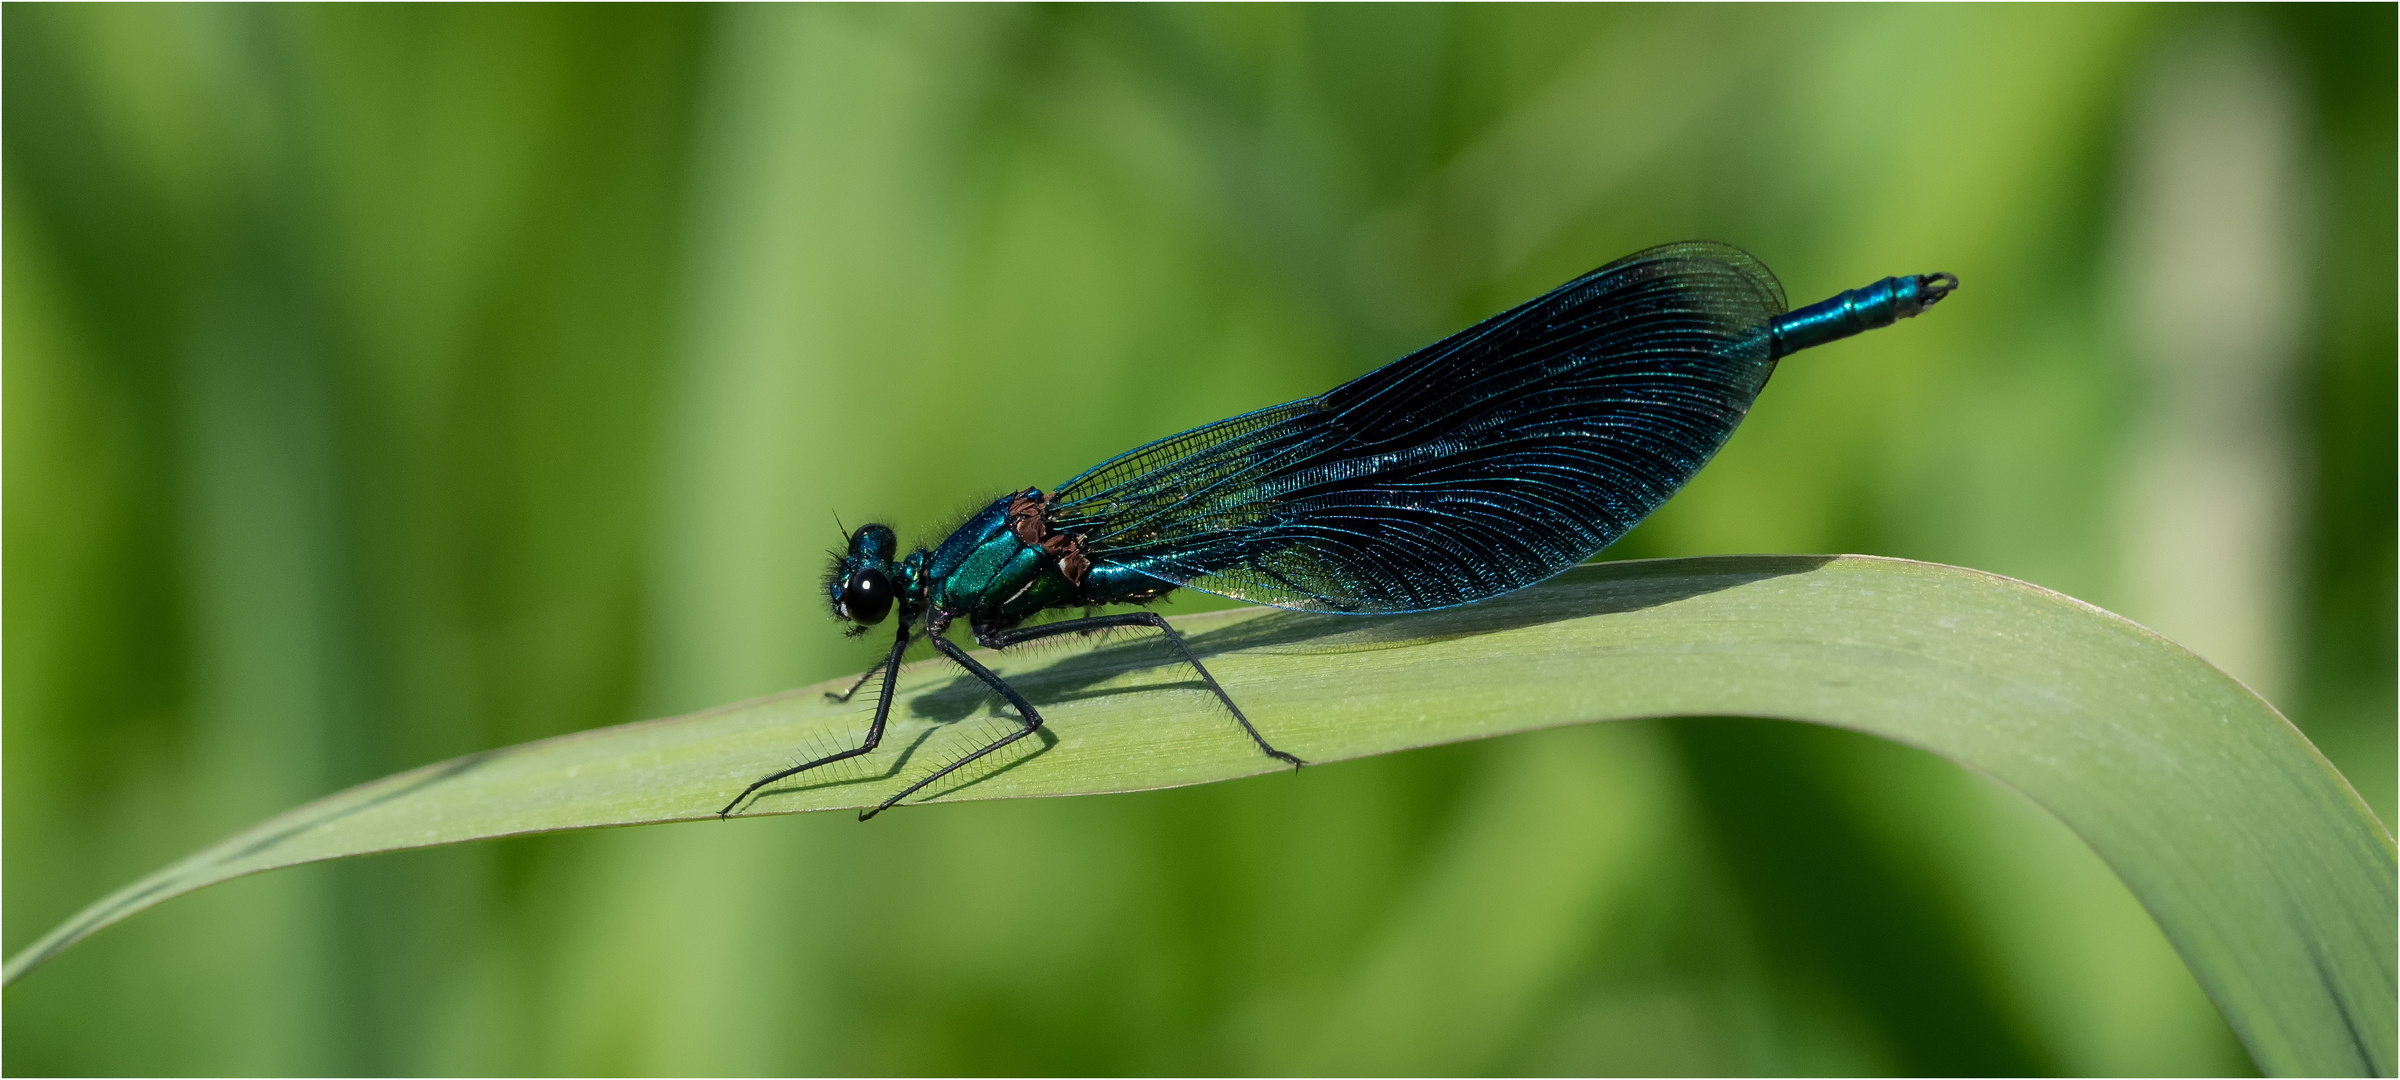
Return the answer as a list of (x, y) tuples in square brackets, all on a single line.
[(1494, 459)]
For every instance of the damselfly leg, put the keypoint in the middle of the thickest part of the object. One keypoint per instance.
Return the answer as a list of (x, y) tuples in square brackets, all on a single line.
[(1026, 715), (846, 695), (1032, 719), (1001, 639), (883, 711)]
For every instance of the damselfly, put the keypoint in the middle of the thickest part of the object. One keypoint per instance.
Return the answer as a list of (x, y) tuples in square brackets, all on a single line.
[(1478, 465)]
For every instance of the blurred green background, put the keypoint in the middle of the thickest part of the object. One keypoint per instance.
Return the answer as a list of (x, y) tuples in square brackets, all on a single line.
[(389, 383)]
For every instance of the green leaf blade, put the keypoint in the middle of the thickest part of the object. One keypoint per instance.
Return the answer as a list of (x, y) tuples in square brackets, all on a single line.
[(2265, 870)]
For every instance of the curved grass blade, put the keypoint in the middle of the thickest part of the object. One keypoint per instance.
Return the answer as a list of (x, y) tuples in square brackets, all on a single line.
[(2266, 871)]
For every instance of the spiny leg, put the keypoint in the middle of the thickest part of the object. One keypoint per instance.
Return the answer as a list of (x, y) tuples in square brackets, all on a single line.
[(846, 695), (1025, 715), (1001, 639), (883, 711)]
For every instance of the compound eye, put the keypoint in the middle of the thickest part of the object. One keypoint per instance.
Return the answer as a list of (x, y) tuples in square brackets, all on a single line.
[(867, 597)]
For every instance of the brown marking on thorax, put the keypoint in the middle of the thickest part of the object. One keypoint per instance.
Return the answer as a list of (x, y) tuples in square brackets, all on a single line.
[(1029, 518)]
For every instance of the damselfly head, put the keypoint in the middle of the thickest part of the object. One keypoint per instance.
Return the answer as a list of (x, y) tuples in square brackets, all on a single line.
[(863, 582)]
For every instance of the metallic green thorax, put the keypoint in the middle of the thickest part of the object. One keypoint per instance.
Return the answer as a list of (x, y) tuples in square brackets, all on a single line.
[(986, 569)]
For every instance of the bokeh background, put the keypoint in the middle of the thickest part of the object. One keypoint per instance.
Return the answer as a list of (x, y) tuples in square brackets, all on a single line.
[(389, 383)]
